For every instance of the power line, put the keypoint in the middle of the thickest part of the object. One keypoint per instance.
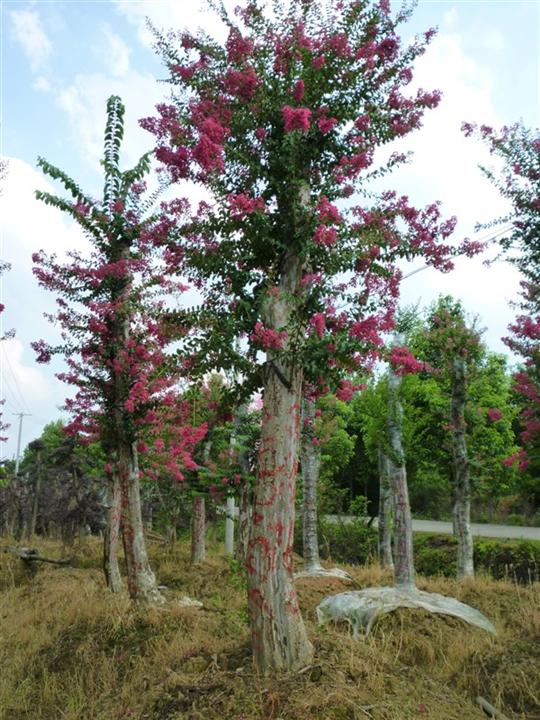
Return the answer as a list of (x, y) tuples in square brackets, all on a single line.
[(19, 435), (13, 401), (19, 392), (487, 239)]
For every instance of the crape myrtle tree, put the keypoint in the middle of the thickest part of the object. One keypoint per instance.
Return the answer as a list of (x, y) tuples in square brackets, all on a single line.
[(519, 182), (112, 340), (453, 348), (279, 124), (325, 448)]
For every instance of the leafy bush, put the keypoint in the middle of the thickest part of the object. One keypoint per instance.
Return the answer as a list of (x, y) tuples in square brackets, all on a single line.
[(356, 543), (515, 560)]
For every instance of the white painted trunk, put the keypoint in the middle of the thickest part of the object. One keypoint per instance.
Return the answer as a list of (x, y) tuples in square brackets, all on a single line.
[(229, 527), (198, 530), (245, 507), (111, 537), (404, 575), (279, 638), (142, 585), (310, 460), (385, 514), (462, 487)]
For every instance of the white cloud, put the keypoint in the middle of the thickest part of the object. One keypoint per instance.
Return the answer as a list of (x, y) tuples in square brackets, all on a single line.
[(445, 167), (116, 53), (85, 101), (22, 383), (41, 83), (450, 17), (30, 35), (492, 39), (167, 14), (29, 225)]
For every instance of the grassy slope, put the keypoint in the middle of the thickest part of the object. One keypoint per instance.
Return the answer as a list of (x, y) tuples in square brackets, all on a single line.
[(71, 651)]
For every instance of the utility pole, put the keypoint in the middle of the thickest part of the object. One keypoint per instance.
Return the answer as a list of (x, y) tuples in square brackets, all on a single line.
[(18, 460)]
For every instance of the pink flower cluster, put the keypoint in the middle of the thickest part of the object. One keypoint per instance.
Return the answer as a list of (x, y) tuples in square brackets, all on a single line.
[(403, 361), (326, 236), (296, 118), (268, 338), (242, 205), (347, 389), (494, 414)]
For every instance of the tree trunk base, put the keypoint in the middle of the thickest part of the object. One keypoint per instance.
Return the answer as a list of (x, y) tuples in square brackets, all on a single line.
[(322, 572), (362, 608)]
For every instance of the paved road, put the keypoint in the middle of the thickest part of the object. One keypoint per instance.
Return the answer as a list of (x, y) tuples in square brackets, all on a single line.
[(481, 529)]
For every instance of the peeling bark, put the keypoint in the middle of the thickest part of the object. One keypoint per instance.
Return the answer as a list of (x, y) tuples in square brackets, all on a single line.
[(310, 459), (404, 575), (35, 499), (111, 536), (279, 638), (142, 585), (385, 514), (462, 487), (198, 530), (244, 522), (245, 502)]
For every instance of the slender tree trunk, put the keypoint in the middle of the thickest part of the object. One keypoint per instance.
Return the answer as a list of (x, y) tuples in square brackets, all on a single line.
[(245, 501), (244, 522), (35, 499), (385, 513), (404, 575), (111, 536), (170, 533), (279, 638), (198, 530), (462, 488), (310, 459), (142, 584)]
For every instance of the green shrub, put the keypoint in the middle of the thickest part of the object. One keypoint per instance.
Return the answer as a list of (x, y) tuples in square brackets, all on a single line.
[(353, 543), (356, 544)]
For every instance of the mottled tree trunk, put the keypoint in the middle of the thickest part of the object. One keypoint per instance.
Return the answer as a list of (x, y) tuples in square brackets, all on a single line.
[(462, 489), (141, 580), (385, 514), (198, 530), (310, 459), (35, 504), (245, 504), (404, 575), (111, 536), (245, 501), (279, 637), (229, 526)]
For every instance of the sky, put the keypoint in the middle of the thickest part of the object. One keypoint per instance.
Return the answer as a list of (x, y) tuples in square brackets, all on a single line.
[(60, 61)]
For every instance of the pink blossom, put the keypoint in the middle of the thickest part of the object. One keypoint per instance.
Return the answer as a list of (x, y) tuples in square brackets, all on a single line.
[(237, 46), (318, 322), (327, 212), (268, 338), (346, 390), (494, 414), (326, 124), (296, 118), (325, 236), (242, 205), (403, 361), (242, 84), (298, 91), (318, 62)]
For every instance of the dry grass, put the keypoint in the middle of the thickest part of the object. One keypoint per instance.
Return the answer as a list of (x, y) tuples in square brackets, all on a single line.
[(71, 651)]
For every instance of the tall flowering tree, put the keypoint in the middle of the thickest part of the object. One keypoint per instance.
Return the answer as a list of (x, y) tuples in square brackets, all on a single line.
[(113, 342), (454, 349), (280, 124), (519, 182)]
